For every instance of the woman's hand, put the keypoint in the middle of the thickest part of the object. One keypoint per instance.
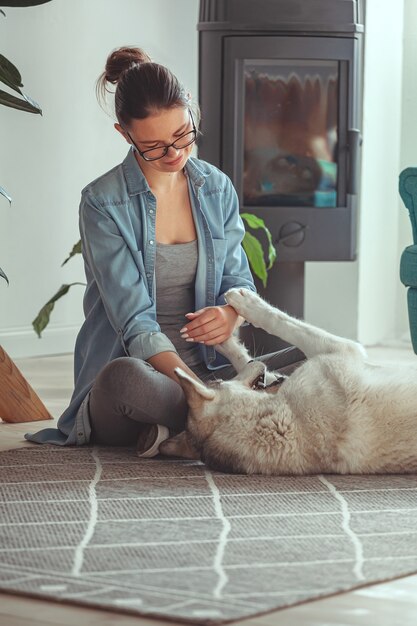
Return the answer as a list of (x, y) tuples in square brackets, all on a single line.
[(211, 325)]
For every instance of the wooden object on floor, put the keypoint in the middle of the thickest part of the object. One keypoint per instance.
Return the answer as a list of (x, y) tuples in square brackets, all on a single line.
[(18, 401)]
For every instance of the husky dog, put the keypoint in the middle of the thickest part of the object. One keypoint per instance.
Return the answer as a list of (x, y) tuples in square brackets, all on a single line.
[(336, 413)]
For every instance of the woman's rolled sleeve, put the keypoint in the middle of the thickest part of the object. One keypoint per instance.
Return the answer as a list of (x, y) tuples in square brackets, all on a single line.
[(146, 345)]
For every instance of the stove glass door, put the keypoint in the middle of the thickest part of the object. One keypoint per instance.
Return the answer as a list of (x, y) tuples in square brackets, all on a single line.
[(290, 134)]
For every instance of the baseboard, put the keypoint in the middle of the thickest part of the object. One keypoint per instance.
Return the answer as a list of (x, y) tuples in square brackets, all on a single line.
[(23, 342), (396, 343)]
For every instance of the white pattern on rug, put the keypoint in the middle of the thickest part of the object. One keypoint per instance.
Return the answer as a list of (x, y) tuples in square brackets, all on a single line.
[(358, 568), (218, 560), (92, 496), (170, 538)]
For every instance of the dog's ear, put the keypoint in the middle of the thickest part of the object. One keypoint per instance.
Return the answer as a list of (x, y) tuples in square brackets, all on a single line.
[(195, 391)]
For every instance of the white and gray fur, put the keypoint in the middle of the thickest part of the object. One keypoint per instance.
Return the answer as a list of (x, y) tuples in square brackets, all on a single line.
[(336, 413)]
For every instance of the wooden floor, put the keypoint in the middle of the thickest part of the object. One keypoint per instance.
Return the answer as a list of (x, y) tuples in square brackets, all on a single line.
[(390, 604)]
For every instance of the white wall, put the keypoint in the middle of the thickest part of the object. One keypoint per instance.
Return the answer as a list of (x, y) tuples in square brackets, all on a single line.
[(60, 49), (378, 242), (363, 299), (408, 155)]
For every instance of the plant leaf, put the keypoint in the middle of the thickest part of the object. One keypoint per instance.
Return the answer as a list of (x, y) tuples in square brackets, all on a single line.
[(3, 275), (33, 103), (255, 254), (9, 74), (23, 3), (76, 249), (17, 103), (4, 193), (41, 321), (255, 222)]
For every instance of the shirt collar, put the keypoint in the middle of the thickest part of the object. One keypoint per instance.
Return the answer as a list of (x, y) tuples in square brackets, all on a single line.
[(194, 170), (137, 183), (135, 180)]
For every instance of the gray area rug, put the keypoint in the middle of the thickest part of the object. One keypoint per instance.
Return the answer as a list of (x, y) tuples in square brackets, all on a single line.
[(171, 539)]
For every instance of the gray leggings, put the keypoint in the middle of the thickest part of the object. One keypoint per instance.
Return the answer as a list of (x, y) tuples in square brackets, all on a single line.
[(128, 393)]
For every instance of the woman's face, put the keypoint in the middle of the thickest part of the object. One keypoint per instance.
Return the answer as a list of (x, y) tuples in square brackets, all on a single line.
[(160, 129)]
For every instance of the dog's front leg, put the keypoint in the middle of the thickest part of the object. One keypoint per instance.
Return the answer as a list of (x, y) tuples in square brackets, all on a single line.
[(310, 339), (235, 351)]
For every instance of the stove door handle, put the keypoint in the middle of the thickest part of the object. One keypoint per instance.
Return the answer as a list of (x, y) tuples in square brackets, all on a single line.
[(354, 142)]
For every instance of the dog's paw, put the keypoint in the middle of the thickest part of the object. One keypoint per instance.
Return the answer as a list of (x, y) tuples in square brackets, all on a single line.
[(245, 302), (238, 298)]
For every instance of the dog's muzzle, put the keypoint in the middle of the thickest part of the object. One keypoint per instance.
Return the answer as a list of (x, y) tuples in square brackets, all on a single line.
[(262, 383)]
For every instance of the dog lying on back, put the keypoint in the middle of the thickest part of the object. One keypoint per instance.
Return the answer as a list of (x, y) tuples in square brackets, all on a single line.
[(335, 414)]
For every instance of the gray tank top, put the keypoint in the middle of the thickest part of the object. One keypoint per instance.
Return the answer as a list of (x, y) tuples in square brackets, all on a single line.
[(175, 271)]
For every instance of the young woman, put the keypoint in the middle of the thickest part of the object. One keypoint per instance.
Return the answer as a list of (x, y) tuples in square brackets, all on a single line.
[(161, 240)]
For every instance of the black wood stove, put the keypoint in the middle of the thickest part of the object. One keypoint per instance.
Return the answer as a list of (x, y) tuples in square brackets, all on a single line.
[(280, 89)]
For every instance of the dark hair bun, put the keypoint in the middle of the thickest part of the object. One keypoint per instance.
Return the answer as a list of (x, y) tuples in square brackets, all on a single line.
[(139, 86), (121, 60)]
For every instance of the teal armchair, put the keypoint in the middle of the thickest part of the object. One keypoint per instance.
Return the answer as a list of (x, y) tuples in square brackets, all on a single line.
[(408, 263)]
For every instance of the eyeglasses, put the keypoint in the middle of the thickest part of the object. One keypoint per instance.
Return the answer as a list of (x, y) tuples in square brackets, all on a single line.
[(153, 154)]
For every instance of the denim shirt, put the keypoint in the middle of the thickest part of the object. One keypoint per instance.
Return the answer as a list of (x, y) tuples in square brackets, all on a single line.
[(117, 226)]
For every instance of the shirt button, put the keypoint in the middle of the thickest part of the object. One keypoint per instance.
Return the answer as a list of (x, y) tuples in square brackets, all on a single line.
[(151, 211), (151, 242)]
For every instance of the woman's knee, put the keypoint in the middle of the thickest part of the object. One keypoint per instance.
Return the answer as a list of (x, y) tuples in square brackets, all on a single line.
[(122, 372), (132, 388)]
